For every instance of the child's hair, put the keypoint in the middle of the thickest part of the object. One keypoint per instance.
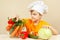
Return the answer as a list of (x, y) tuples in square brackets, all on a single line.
[(33, 10)]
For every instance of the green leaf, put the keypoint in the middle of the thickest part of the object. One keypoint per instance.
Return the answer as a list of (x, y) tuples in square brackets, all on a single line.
[(14, 19), (19, 23)]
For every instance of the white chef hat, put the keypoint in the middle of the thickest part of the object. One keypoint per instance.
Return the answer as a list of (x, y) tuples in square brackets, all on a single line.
[(38, 6)]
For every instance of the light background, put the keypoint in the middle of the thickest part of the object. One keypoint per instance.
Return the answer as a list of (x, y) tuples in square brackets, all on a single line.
[(11, 8)]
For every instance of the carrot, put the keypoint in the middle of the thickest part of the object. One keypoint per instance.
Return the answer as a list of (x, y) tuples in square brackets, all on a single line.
[(20, 29), (18, 32), (9, 27), (14, 32)]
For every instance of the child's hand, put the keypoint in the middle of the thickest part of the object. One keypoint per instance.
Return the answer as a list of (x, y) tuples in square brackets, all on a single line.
[(54, 31)]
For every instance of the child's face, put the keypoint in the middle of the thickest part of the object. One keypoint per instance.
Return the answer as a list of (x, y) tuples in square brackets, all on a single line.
[(35, 16)]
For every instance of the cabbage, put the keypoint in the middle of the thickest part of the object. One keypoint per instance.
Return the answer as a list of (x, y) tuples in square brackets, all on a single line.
[(44, 33)]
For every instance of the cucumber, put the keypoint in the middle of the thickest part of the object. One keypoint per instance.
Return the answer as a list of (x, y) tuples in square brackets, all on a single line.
[(32, 36), (11, 30)]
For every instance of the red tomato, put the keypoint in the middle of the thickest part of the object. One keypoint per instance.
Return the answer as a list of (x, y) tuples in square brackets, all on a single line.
[(10, 21)]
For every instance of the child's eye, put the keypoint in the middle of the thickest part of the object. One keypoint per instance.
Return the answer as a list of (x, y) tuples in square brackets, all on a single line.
[(34, 14)]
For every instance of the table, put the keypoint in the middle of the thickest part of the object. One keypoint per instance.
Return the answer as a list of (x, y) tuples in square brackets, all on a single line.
[(6, 37)]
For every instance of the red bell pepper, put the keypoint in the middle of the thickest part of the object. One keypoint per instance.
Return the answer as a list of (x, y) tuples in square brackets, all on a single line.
[(24, 35)]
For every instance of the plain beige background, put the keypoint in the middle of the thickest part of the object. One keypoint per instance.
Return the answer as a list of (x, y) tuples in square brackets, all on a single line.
[(11, 8)]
